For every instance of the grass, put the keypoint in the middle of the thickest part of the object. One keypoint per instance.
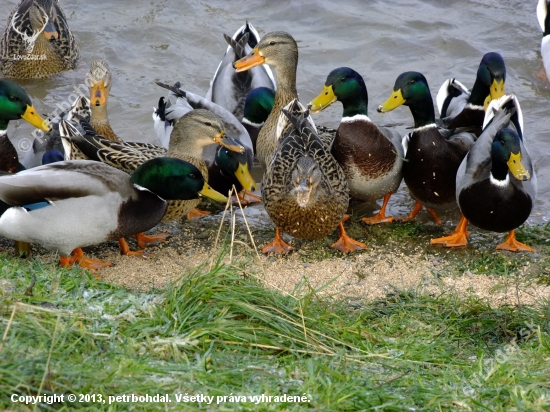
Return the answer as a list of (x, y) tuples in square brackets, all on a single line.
[(219, 334)]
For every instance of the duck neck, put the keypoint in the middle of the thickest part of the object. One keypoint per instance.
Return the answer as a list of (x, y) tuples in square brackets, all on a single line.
[(423, 112), (3, 126), (356, 105), (479, 93), (286, 83)]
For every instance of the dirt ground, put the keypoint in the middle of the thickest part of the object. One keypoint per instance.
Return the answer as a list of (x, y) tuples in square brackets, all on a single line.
[(364, 276)]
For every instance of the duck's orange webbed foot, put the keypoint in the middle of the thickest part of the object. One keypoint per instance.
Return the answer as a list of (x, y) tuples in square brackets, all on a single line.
[(512, 245), (457, 238), (84, 262), (143, 240), (278, 245), (380, 217), (247, 198), (125, 250), (197, 214), (345, 244)]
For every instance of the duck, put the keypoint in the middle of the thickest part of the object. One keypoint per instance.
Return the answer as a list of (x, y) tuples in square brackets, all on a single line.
[(462, 108), (37, 41), (192, 133), (230, 89), (226, 168), (15, 104), (257, 107), (544, 21), (496, 184), (432, 155), (68, 205), (304, 190), (371, 156), (279, 50), (99, 81)]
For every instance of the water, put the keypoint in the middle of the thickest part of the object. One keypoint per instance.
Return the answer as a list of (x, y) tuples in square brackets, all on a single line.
[(148, 41)]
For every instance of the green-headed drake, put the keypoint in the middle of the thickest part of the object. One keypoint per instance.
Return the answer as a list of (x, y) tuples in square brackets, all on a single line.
[(432, 155), (304, 190), (496, 185), (37, 41), (65, 206), (371, 156), (257, 107), (460, 107)]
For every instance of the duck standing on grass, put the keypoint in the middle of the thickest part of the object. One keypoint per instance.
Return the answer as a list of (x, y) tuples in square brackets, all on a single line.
[(304, 190), (496, 185), (432, 155), (15, 104), (65, 206), (371, 156), (37, 41)]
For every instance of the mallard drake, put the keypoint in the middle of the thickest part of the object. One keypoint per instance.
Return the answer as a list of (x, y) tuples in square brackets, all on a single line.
[(459, 107), (37, 41), (278, 49), (225, 167), (371, 156), (544, 21), (191, 134), (496, 185), (304, 190), (257, 107), (99, 81), (230, 89), (15, 104), (432, 155), (65, 206)]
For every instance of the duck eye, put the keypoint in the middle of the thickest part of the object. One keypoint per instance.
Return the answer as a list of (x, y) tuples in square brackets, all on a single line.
[(192, 175), (208, 123), (412, 81), (272, 43), (344, 78)]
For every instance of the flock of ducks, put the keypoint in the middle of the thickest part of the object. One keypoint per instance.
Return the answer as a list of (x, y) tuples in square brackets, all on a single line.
[(93, 187)]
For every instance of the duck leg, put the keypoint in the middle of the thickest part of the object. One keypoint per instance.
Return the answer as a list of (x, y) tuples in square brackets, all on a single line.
[(143, 240), (86, 263), (197, 214), (414, 212), (22, 249), (436, 218), (457, 238), (125, 249), (512, 245), (380, 217), (278, 245), (346, 244)]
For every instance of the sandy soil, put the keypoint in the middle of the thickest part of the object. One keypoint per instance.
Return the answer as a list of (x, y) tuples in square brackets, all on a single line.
[(365, 276)]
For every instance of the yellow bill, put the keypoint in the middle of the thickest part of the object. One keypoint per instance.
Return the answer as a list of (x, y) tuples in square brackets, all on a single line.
[(98, 94), (517, 168), (395, 100), (323, 100), (245, 178), (207, 191), (33, 118)]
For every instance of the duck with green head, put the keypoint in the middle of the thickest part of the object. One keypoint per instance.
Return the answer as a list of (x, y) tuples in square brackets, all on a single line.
[(15, 104), (496, 185), (460, 107), (371, 156), (65, 206), (432, 155), (257, 107)]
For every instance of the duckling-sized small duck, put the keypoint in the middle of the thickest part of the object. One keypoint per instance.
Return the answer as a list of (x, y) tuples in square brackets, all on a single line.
[(544, 21), (304, 190), (432, 155), (99, 81), (65, 206), (37, 41), (371, 156), (461, 108), (257, 107), (496, 185), (192, 133), (230, 89)]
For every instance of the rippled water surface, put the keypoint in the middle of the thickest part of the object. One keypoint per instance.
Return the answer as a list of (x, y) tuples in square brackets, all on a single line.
[(148, 41)]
